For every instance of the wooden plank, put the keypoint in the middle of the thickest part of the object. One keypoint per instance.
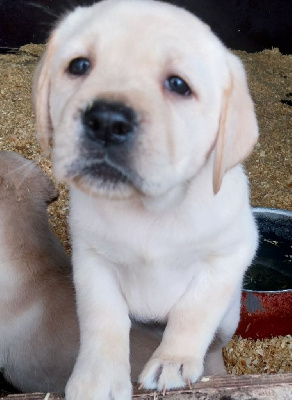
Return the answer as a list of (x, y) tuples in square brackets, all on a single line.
[(229, 387)]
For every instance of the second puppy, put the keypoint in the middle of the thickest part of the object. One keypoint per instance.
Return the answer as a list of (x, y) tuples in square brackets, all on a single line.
[(39, 336)]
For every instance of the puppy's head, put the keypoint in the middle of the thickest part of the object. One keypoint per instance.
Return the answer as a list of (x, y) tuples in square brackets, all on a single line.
[(138, 96)]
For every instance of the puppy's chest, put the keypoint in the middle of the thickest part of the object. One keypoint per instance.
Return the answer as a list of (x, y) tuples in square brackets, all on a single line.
[(153, 263), (145, 245), (152, 286)]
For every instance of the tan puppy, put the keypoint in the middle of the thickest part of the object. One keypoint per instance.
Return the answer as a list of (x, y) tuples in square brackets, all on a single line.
[(38, 325), (150, 117)]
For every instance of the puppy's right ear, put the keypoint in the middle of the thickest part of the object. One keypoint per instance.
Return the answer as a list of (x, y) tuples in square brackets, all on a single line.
[(238, 128), (40, 93)]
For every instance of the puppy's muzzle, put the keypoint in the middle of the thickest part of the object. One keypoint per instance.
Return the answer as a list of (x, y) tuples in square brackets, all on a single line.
[(109, 124), (106, 146)]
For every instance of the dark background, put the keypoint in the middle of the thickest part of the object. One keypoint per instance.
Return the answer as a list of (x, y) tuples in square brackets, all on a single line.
[(251, 25)]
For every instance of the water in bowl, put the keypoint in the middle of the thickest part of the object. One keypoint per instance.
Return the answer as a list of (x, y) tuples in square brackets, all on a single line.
[(272, 267)]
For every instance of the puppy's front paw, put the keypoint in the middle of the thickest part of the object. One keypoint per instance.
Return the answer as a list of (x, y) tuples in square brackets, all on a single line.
[(95, 386), (163, 374)]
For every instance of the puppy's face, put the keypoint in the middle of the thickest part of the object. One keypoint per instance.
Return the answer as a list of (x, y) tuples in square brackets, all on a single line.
[(132, 92)]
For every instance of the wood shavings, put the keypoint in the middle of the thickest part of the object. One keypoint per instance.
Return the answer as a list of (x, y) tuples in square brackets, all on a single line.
[(270, 356), (269, 167)]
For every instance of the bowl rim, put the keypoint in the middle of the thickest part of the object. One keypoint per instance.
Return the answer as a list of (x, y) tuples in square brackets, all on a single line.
[(268, 210), (267, 291)]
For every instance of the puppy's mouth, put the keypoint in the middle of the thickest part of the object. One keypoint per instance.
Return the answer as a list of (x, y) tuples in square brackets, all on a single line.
[(101, 171), (107, 172)]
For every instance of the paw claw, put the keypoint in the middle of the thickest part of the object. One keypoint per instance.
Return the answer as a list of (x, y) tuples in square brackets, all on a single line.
[(189, 383), (164, 374)]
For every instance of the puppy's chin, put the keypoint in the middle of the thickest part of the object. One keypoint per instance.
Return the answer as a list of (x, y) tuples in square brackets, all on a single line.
[(97, 187), (98, 179)]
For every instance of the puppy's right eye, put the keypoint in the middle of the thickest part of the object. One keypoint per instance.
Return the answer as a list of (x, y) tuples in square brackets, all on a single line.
[(177, 85), (79, 66)]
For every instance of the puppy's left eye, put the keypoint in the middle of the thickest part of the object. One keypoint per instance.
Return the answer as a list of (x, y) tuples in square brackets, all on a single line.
[(177, 85), (79, 66)]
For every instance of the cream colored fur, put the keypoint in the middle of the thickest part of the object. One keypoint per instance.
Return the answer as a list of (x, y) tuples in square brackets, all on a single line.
[(173, 245)]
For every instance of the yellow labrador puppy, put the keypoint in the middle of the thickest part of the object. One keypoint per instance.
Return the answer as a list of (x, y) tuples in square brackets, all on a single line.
[(151, 117), (39, 336)]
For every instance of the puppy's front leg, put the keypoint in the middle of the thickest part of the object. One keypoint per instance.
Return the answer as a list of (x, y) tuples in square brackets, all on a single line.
[(192, 323), (102, 370)]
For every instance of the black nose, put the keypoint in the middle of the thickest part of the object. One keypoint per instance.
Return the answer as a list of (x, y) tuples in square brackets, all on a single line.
[(109, 123)]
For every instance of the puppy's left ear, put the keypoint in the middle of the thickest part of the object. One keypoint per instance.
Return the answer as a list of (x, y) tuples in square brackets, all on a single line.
[(40, 94), (238, 129)]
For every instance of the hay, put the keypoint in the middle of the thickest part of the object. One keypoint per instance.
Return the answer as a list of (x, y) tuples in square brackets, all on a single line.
[(266, 356), (269, 167)]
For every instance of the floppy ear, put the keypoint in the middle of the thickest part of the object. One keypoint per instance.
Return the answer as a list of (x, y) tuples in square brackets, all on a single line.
[(40, 94), (238, 129)]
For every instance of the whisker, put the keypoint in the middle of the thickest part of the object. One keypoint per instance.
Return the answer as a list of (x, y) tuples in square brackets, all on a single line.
[(25, 169)]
